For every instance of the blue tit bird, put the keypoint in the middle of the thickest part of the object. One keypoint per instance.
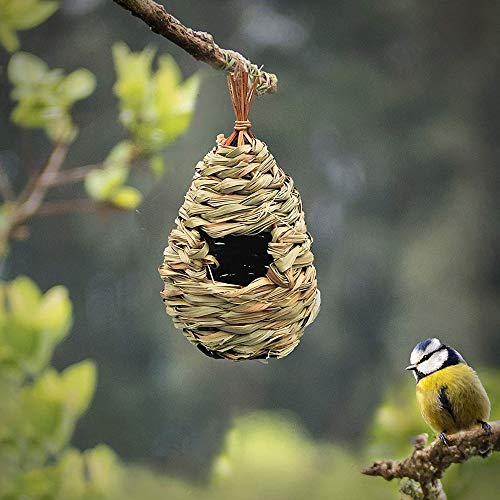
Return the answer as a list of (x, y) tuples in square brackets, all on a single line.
[(450, 395)]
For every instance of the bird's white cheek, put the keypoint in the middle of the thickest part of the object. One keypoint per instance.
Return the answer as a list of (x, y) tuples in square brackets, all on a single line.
[(434, 363)]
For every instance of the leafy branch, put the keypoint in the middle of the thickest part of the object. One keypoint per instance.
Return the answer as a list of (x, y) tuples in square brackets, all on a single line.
[(30, 200), (40, 406), (199, 44), (18, 210), (22, 15), (427, 464), (156, 107)]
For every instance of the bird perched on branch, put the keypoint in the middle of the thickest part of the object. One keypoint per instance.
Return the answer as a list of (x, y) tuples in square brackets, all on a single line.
[(450, 395)]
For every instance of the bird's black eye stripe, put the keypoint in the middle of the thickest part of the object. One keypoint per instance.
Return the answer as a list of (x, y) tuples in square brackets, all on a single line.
[(427, 356)]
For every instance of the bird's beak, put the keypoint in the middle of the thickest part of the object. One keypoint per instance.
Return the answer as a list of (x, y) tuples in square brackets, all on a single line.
[(411, 367)]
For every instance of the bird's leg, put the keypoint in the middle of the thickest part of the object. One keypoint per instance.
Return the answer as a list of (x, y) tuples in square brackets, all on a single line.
[(486, 427), (444, 438)]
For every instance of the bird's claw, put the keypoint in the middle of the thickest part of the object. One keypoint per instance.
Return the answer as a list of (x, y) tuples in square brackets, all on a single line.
[(444, 438), (486, 427)]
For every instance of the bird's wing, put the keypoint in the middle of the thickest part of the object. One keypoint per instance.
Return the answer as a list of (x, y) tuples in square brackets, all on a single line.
[(445, 402)]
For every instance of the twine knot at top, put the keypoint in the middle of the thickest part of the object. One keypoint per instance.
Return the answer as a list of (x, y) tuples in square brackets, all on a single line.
[(242, 125), (241, 91)]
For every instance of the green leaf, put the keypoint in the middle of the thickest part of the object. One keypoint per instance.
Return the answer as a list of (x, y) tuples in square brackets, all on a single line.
[(8, 38), (45, 96), (31, 324), (23, 297), (16, 15), (103, 468), (156, 108), (127, 198), (79, 383), (188, 94), (175, 104), (35, 114), (72, 480), (103, 184), (120, 155), (78, 85), (169, 73), (55, 313), (60, 128), (25, 69), (157, 165), (43, 408), (125, 60), (37, 483), (22, 343), (51, 406), (134, 75), (37, 14)]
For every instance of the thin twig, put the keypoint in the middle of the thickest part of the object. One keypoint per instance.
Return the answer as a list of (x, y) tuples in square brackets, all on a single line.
[(199, 44), (5, 187), (30, 199), (427, 465), (63, 207), (70, 175), (33, 197)]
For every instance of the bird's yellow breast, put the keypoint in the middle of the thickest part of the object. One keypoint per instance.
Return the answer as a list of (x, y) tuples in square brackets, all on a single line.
[(453, 399)]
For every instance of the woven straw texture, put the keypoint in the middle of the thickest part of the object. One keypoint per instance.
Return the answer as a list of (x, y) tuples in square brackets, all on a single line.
[(240, 190)]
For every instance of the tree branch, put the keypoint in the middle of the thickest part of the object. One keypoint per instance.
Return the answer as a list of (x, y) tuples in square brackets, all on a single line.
[(69, 176), (63, 207), (427, 465), (199, 44), (5, 187), (31, 200)]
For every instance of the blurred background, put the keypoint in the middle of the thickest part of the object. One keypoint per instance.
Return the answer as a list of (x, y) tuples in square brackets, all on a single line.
[(387, 116)]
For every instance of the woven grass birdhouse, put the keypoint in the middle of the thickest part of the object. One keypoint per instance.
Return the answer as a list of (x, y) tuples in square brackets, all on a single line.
[(238, 269)]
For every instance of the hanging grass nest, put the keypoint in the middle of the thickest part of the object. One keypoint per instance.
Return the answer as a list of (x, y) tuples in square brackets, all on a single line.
[(238, 269)]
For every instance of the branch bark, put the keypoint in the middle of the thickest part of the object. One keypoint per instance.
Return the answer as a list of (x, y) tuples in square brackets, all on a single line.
[(64, 207), (70, 175), (31, 201), (199, 44), (427, 464), (31, 198), (5, 187)]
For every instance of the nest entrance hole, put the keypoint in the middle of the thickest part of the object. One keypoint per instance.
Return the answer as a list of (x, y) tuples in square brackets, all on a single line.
[(241, 258)]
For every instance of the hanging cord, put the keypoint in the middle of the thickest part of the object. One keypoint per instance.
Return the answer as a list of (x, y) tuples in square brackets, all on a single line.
[(242, 96)]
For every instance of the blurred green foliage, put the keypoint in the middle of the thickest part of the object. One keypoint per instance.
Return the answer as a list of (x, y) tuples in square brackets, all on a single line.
[(45, 97), (265, 454), (268, 455), (18, 15), (107, 184), (156, 107), (31, 325), (40, 406)]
